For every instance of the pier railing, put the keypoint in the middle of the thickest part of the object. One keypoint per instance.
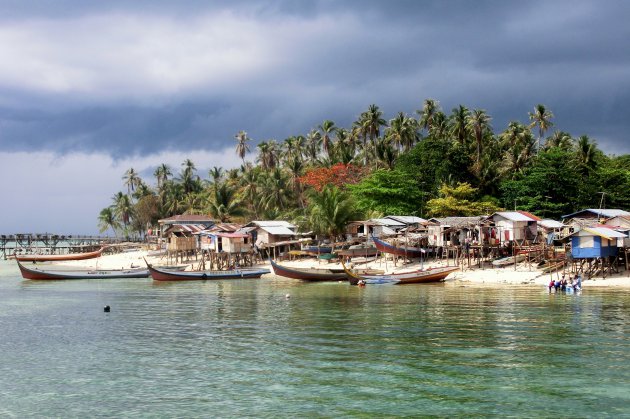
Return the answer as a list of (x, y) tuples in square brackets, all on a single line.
[(28, 243)]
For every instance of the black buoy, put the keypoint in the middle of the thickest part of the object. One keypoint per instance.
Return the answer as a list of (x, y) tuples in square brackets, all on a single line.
[(106, 309)]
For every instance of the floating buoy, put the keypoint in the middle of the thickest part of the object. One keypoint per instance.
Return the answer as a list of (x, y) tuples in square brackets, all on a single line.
[(106, 309), (287, 296)]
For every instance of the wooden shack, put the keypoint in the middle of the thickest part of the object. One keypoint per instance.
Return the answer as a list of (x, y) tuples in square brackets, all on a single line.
[(518, 226)]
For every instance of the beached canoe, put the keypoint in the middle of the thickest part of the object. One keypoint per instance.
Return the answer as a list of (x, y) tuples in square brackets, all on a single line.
[(59, 258), (307, 274), (506, 261), (405, 251), (414, 277), (160, 274), (38, 273)]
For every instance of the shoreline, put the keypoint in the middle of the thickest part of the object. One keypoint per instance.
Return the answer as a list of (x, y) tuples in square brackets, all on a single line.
[(523, 274)]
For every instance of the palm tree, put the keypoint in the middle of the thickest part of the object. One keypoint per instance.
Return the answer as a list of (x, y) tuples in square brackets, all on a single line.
[(132, 180), (313, 141), (560, 139), (107, 219), (242, 148), (224, 204), (327, 128), (479, 124), (330, 211), (249, 184), (123, 208), (429, 109), (162, 172), (216, 173), (541, 117), (586, 153), (459, 124), (189, 180)]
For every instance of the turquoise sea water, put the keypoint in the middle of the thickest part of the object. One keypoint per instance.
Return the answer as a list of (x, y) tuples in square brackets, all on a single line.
[(241, 348)]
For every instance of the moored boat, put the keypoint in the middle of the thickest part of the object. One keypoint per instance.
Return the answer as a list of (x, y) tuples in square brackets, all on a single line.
[(307, 274), (414, 277), (160, 274), (37, 273), (506, 261), (406, 251), (59, 258), (358, 252)]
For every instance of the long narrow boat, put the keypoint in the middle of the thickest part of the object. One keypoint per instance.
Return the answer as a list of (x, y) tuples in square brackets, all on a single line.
[(409, 252), (37, 273), (160, 274), (59, 258), (414, 277), (358, 252), (506, 261), (313, 275)]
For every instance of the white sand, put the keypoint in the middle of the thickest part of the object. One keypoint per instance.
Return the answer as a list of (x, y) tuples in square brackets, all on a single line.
[(523, 274)]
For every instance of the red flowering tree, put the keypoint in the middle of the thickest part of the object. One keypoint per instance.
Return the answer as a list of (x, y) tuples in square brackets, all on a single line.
[(338, 175)]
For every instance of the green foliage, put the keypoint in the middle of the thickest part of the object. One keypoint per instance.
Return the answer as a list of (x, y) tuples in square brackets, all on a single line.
[(549, 187), (389, 192), (329, 211), (459, 200)]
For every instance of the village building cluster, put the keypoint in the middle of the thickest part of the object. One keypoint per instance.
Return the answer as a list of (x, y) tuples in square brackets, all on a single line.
[(590, 242)]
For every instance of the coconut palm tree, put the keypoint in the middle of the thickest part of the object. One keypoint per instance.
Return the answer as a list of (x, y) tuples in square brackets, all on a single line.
[(327, 129), (560, 139), (586, 154), (330, 211), (242, 148), (541, 117), (107, 219), (132, 180), (312, 144), (123, 209), (478, 124), (429, 109), (225, 204), (162, 172), (458, 123)]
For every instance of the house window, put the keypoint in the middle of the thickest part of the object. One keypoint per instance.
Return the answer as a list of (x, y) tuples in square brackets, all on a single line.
[(587, 241)]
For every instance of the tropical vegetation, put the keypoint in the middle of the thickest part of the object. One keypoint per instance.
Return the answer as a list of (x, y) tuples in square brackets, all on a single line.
[(431, 164)]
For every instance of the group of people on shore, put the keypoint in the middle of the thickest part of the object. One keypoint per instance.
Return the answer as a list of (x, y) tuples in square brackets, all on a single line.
[(572, 285)]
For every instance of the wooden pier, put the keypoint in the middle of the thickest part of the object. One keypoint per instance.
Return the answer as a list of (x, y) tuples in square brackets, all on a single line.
[(49, 244)]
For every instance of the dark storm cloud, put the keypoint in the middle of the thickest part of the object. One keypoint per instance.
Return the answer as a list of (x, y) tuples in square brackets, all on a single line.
[(330, 60)]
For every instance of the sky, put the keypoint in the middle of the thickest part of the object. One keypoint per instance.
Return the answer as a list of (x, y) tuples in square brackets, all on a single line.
[(89, 89)]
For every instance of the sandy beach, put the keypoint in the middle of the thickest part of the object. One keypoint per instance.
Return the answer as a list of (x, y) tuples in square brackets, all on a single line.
[(523, 274)]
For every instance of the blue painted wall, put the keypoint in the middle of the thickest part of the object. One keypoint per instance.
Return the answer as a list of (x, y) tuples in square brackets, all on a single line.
[(597, 251)]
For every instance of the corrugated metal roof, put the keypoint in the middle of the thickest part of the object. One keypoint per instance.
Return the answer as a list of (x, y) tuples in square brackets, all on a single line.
[(387, 222), (607, 213), (278, 230), (514, 216), (546, 223), (407, 219), (273, 223), (604, 232)]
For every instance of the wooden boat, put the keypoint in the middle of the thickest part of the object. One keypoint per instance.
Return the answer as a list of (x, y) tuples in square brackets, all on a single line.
[(313, 275), (32, 272), (160, 274), (58, 258), (414, 277), (409, 252), (317, 249), (358, 252), (506, 261)]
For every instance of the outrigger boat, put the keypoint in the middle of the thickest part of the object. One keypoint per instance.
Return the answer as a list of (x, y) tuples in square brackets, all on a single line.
[(161, 274), (37, 273), (409, 252), (59, 258), (312, 274), (414, 277)]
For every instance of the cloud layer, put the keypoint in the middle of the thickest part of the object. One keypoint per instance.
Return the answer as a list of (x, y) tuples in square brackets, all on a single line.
[(126, 80)]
